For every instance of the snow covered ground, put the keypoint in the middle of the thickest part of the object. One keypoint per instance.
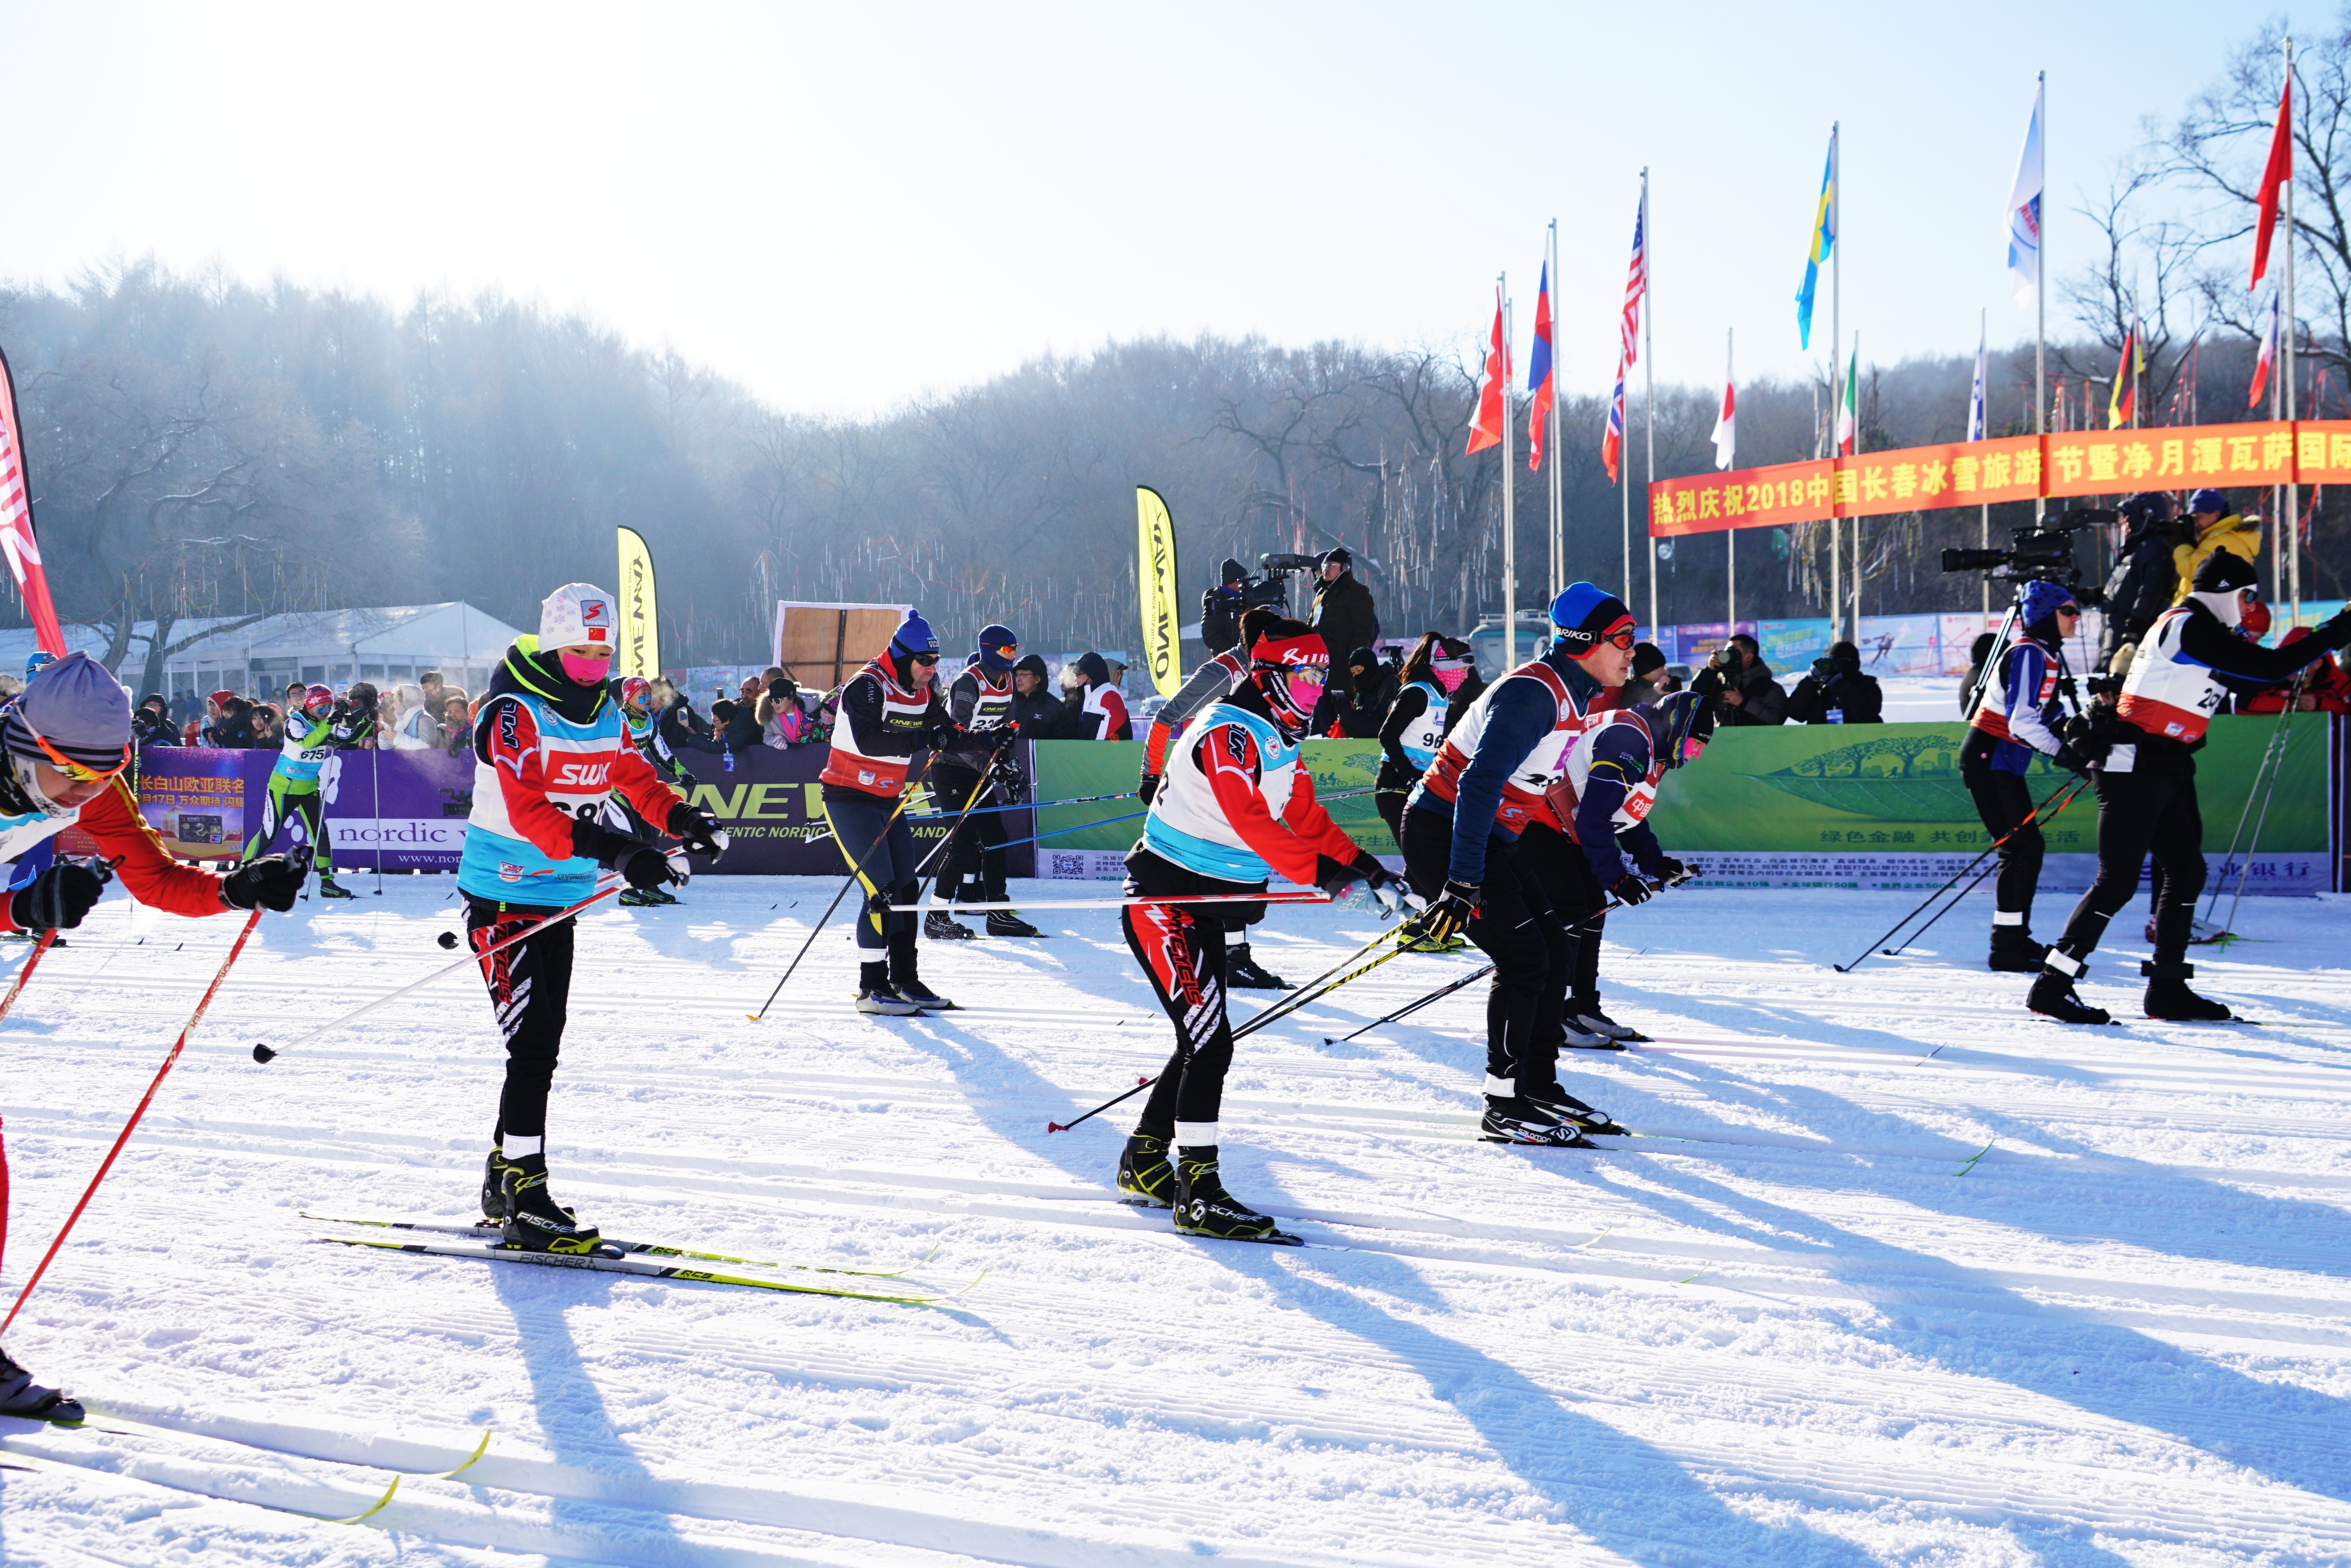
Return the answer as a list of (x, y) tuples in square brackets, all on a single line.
[(2119, 1337)]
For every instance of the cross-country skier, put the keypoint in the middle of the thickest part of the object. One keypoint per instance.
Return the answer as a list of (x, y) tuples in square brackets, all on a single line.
[(1460, 831), (1414, 726), (634, 693), (889, 710), (1210, 684), (1592, 839), (1233, 807), (2144, 768), (2024, 700), (316, 728), (67, 739), (548, 749), (972, 868)]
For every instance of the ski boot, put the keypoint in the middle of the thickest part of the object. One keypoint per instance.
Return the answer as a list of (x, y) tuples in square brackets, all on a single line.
[(2169, 998), (330, 889), (2199, 932), (644, 898), (494, 1187), (1574, 1112), (1426, 944), (20, 1396), (1008, 923), (2052, 996), (906, 983), (942, 927), (875, 993), (535, 1222), (1247, 973), (1144, 1177), (2013, 950), (1583, 1013), (1202, 1207), (1512, 1119)]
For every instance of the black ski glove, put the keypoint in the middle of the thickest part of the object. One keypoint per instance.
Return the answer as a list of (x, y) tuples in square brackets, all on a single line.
[(57, 898), (2071, 761), (697, 830), (1148, 787), (1010, 781), (1454, 909), (646, 867), (1632, 888), (1673, 873), (271, 882), (1335, 877), (687, 781)]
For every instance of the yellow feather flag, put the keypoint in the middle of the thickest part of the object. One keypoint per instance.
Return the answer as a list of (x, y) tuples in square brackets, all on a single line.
[(1163, 609), (639, 649)]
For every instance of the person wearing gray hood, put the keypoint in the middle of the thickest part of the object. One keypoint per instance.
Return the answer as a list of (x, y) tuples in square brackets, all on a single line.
[(66, 740)]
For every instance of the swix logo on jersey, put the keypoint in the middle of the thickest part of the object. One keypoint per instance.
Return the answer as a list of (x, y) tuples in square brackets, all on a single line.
[(581, 775)]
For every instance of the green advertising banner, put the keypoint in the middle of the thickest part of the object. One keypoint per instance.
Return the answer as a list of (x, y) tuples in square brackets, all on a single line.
[(1877, 805)]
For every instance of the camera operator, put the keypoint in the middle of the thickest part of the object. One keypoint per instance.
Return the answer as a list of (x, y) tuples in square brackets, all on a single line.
[(2145, 580), (1221, 608), (1740, 683), (2143, 763), (1837, 692), (2212, 526), (2021, 704), (972, 871), (1344, 617)]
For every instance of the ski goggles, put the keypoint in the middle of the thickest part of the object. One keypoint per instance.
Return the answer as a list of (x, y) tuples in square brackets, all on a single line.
[(80, 772)]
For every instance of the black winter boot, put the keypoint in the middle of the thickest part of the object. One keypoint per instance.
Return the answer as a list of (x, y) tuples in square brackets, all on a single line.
[(2053, 994), (2169, 998), (1144, 1177)]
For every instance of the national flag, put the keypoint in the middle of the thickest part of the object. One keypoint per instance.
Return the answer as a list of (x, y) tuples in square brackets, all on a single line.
[(2123, 403), (1637, 282), (2274, 174), (1975, 396), (2267, 359), (2025, 212), (1612, 442), (1824, 242), (16, 541), (1846, 424), (1726, 427), (1539, 371), (1485, 423)]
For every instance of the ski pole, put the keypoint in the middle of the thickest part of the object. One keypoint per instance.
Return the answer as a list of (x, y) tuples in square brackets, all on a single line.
[(904, 797), (2051, 807), (1302, 896), (1947, 909), (2269, 754), (1140, 1084), (948, 838), (128, 1128), (1439, 995), (24, 970), (264, 1054), (375, 783), (2261, 818)]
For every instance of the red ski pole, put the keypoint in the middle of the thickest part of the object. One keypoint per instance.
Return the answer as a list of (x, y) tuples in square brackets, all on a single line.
[(128, 1128), (25, 970)]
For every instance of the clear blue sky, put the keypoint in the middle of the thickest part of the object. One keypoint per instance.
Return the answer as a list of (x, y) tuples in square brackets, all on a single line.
[(840, 205)]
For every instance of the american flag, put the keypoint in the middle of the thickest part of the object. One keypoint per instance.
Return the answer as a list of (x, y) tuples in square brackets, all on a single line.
[(1637, 282)]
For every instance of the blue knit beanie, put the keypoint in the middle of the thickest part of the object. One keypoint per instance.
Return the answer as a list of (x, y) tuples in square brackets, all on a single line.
[(2040, 600), (998, 648), (913, 636), (1583, 614)]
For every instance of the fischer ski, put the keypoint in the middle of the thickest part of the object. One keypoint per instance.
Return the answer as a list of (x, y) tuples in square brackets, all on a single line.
[(486, 1232), (620, 1263)]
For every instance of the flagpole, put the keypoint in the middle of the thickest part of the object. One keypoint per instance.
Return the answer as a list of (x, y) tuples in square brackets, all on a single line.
[(1729, 536), (1509, 485), (1852, 374), (1836, 379), (2040, 288), (1649, 381), (1558, 502), (2286, 330), (1983, 526)]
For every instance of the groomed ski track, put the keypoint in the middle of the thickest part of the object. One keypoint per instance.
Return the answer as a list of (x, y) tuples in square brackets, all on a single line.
[(2120, 1337)]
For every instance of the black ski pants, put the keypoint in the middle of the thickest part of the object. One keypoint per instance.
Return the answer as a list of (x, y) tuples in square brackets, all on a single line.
[(1182, 950), (878, 847), (2142, 814), (2003, 801), (976, 842), (1518, 930), (1564, 872), (530, 990)]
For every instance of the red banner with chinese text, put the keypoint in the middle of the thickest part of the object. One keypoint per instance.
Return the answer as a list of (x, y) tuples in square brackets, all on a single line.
[(2013, 468)]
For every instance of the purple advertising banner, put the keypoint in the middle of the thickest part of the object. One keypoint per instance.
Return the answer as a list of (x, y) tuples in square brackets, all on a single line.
[(411, 806)]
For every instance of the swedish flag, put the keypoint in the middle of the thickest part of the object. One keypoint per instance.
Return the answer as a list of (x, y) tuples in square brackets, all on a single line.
[(1824, 242)]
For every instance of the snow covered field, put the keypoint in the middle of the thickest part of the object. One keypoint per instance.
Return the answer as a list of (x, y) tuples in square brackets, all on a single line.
[(2119, 1337)]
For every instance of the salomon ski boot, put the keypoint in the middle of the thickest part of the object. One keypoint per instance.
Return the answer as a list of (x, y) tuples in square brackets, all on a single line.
[(330, 889), (1512, 1119), (942, 927), (20, 1396), (2051, 995), (494, 1187), (2013, 952), (875, 993), (1583, 1013), (2169, 998), (1144, 1177), (533, 1221), (1246, 972), (1573, 1111), (1202, 1207)]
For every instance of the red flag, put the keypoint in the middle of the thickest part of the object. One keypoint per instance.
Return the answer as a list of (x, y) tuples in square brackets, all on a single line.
[(17, 540), (2276, 173), (1485, 425), (1612, 442)]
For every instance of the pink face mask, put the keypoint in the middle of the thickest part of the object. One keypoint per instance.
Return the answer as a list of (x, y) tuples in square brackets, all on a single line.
[(587, 671), (1451, 680), (1306, 690)]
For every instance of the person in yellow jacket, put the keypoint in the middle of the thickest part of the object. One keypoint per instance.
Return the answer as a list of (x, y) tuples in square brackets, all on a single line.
[(2217, 528)]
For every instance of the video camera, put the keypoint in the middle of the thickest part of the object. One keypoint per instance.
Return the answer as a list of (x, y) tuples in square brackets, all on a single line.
[(2039, 553), (1272, 589)]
